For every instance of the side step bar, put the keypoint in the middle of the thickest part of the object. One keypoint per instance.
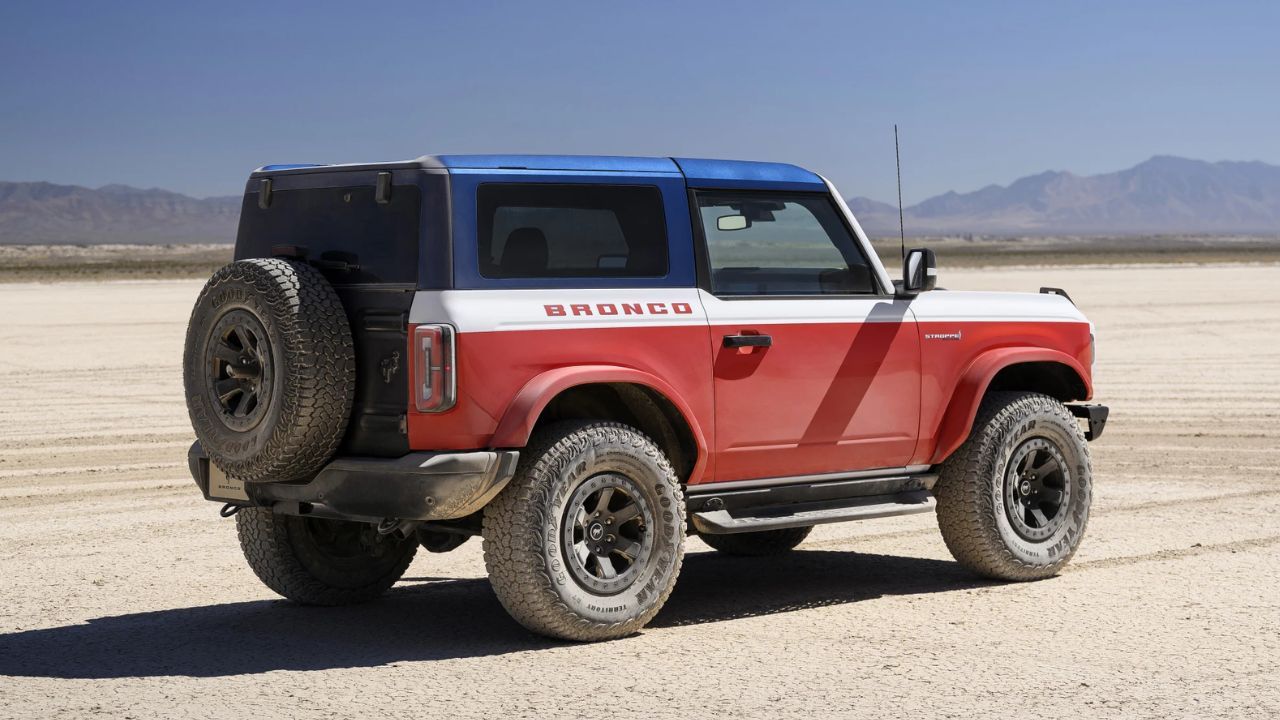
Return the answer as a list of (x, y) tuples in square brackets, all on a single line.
[(717, 509), (719, 522)]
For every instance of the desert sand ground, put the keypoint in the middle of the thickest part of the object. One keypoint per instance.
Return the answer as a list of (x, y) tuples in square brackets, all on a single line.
[(123, 593)]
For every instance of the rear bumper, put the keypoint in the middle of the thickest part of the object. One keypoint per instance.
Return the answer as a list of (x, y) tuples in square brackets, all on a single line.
[(1095, 416), (417, 486)]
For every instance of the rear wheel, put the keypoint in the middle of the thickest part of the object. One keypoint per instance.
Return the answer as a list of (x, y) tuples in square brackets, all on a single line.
[(765, 542), (586, 541), (1013, 501), (321, 562)]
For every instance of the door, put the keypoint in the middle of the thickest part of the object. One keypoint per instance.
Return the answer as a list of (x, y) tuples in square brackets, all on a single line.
[(815, 371)]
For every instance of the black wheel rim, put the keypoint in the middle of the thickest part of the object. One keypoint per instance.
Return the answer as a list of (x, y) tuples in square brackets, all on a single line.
[(238, 358), (606, 539), (1037, 490)]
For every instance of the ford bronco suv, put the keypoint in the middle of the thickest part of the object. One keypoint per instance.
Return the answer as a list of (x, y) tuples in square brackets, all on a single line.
[(586, 359)]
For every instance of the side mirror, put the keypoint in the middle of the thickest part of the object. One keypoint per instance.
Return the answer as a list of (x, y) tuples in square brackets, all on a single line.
[(919, 272)]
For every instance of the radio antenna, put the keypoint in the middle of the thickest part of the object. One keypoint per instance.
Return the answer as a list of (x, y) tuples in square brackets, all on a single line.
[(902, 231)]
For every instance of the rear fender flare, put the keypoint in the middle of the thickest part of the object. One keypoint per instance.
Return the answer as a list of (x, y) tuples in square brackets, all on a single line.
[(522, 414), (962, 408)]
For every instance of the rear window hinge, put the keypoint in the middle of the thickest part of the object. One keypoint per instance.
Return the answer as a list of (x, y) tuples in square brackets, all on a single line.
[(382, 192), (264, 193)]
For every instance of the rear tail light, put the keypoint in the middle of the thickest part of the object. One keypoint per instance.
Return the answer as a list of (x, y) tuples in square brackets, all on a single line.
[(435, 380)]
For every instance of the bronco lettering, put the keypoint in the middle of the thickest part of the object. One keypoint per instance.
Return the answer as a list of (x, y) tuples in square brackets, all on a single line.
[(653, 308)]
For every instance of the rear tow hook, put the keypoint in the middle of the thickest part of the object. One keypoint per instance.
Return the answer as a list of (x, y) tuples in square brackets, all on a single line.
[(402, 529)]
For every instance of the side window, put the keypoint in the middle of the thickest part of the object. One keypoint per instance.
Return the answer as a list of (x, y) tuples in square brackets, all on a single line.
[(781, 244), (558, 231)]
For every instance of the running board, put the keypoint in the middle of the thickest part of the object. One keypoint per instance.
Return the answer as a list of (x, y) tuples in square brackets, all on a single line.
[(754, 519)]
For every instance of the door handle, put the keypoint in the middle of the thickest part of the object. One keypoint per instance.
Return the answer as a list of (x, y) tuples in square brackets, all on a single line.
[(748, 341)]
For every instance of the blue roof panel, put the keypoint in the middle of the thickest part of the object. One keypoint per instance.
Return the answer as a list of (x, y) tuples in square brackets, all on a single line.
[(740, 174), (287, 166), (698, 172), (598, 163)]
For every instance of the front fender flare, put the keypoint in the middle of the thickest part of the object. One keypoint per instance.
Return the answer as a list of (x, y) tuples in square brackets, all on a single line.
[(522, 414), (962, 408)]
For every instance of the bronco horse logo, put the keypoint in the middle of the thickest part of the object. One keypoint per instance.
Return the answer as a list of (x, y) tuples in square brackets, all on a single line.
[(389, 366)]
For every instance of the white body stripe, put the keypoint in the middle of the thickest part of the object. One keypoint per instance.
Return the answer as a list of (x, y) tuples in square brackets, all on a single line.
[(956, 306), (802, 310), (499, 310), (934, 306)]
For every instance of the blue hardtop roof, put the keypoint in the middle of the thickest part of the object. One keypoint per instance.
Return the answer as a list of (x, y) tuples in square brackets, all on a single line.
[(698, 172), (598, 163)]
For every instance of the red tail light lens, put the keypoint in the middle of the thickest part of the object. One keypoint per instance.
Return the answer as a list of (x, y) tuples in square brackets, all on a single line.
[(434, 379)]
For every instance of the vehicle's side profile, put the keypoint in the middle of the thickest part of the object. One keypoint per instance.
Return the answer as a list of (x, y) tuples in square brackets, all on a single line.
[(585, 359)]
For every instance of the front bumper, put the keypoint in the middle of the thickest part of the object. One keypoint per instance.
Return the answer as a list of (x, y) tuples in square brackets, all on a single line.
[(1095, 416), (417, 486)]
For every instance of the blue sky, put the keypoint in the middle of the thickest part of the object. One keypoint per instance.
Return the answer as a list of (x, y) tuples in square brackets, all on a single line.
[(192, 96)]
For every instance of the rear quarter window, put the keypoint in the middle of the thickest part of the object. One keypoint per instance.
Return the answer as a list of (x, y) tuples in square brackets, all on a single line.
[(380, 241), (565, 231)]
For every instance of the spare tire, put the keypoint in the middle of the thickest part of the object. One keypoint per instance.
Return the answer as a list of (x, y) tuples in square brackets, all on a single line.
[(269, 370)]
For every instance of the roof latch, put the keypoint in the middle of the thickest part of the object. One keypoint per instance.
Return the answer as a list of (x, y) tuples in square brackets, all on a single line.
[(383, 192), (264, 193)]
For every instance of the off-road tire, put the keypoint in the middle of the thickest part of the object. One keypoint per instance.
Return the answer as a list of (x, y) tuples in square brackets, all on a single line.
[(755, 544), (973, 484), (286, 554), (527, 526), (306, 367)]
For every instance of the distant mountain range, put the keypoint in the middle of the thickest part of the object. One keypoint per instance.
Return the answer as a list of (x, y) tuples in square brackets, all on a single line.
[(1164, 195), (44, 213)]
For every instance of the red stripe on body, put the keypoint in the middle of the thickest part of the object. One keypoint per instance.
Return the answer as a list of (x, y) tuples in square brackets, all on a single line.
[(825, 397)]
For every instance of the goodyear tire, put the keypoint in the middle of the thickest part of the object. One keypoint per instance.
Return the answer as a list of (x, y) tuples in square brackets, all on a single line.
[(1013, 501), (755, 544), (269, 370), (321, 562), (587, 539)]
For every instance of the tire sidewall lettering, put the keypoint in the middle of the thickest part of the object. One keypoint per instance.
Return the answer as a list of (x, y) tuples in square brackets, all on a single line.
[(588, 460), (1064, 540)]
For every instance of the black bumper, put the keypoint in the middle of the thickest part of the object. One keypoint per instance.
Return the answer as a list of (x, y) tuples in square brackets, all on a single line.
[(417, 486), (1096, 415)]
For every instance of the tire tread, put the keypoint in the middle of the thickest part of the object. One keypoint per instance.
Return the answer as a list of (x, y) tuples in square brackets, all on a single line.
[(966, 512), (515, 522), (264, 539), (317, 361)]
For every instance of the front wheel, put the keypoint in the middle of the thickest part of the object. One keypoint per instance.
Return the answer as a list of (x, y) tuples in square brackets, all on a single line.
[(586, 541), (321, 562), (1013, 501)]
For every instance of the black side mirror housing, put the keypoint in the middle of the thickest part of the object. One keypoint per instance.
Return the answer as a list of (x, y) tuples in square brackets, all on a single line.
[(919, 272)]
